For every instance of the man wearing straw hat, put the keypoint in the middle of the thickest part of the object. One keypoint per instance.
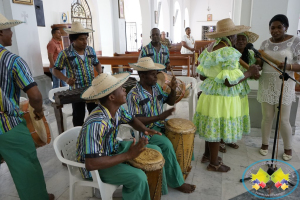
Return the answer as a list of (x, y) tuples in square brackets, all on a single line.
[(16, 144), (78, 59), (97, 146), (145, 101)]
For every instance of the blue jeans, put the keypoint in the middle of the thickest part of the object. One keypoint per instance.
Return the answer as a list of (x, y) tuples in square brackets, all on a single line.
[(57, 81)]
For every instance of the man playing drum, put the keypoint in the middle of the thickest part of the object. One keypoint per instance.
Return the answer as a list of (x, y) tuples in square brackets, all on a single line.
[(16, 145), (145, 101), (97, 146)]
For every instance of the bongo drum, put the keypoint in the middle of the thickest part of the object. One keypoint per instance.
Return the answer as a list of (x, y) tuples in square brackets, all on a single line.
[(39, 129), (181, 132), (164, 79), (151, 162)]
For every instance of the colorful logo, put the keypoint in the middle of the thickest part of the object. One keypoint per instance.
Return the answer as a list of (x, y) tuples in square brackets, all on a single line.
[(282, 182), (64, 17)]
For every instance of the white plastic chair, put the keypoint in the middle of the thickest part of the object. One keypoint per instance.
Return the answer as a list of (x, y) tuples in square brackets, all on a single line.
[(66, 143), (191, 98), (66, 109)]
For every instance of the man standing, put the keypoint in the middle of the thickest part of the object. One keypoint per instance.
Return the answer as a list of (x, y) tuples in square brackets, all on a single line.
[(78, 59), (53, 48), (16, 144), (165, 41), (156, 51)]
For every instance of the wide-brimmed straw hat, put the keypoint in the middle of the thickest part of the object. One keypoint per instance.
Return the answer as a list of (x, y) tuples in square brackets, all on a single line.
[(104, 84), (252, 37), (226, 27), (77, 28), (5, 23), (146, 64)]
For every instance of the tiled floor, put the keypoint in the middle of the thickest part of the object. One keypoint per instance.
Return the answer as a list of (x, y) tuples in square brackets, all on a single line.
[(210, 185)]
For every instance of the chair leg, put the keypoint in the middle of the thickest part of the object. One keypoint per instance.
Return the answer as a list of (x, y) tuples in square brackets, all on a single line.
[(191, 109), (72, 190)]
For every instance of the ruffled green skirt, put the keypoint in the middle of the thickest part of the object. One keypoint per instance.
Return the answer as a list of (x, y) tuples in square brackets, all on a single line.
[(245, 114), (219, 117)]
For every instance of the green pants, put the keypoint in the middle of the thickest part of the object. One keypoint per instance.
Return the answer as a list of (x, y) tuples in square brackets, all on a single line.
[(18, 150), (134, 180), (172, 169)]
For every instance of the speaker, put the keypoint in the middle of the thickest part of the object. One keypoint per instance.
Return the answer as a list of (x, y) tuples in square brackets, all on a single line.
[(39, 12)]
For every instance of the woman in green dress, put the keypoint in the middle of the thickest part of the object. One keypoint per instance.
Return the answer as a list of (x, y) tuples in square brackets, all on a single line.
[(248, 57), (218, 114)]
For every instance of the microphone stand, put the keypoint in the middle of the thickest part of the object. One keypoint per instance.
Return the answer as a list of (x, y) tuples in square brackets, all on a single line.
[(285, 77)]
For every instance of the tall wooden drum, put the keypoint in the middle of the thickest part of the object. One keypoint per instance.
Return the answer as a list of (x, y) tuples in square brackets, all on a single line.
[(151, 162), (181, 132)]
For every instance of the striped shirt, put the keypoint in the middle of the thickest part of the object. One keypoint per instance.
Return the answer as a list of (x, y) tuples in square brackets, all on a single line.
[(98, 135), (143, 104), (161, 57), (80, 69), (15, 76)]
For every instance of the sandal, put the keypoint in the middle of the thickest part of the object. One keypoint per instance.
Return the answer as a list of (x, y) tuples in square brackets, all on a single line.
[(216, 168), (233, 145), (206, 159), (222, 147)]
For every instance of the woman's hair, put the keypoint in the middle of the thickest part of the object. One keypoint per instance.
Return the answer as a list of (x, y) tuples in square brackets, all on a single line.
[(187, 28), (281, 18), (74, 37), (245, 55)]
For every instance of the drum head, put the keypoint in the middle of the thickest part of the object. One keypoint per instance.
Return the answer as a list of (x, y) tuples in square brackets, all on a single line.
[(149, 160), (182, 126), (38, 125)]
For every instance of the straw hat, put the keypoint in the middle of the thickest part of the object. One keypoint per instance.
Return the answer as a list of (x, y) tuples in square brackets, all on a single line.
[(146, 64), (104, 84), (226, 27), (252, 37), (77, 28), (5, 23)]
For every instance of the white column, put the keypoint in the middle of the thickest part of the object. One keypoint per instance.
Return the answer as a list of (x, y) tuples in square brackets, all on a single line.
[(293, 14), (146, 20)]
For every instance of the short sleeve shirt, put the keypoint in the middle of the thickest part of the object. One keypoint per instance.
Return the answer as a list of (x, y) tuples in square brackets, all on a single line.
[(54, 47), (161, 57), (141, 103), (98, 135), (15, 76), (80, 69)]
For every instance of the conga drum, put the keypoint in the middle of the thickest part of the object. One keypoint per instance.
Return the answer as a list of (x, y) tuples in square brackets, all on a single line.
[(181, 132), (39, 129), (151, 162), (164, 79)]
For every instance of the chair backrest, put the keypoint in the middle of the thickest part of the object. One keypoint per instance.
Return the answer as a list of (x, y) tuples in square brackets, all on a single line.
[(52, 91), (66, 143), (188, 80)]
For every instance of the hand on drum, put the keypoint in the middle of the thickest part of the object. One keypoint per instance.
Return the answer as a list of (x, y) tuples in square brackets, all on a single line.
[(149, 131), (70, 81), (166, 114), (38, 115), (136, 149), (173, 83)]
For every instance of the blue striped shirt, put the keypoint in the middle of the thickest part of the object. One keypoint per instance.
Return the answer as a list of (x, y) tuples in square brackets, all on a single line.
[(81, 70), (15, 76), (141, 103), (98, 135)]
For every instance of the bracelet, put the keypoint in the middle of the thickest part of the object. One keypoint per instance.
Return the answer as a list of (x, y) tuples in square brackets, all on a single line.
[(291, 67)]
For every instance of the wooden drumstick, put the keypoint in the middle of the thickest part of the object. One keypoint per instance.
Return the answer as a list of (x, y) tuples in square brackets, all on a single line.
[(244, 64), (268, 57)]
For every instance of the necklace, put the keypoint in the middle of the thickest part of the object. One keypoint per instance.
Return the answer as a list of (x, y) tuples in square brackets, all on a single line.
[(278, 42)]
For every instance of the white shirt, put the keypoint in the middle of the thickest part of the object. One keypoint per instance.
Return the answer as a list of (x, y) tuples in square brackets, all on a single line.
[(190, 42)]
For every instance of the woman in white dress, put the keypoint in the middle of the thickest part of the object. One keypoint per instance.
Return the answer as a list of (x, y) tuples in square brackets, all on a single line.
[(187, 42), (279, 46)]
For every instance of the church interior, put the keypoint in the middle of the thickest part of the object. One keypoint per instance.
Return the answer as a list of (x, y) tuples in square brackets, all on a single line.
[(121, 29)]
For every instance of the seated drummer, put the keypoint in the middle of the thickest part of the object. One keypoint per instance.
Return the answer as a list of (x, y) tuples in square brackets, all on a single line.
[(97, 146), (145, 101)]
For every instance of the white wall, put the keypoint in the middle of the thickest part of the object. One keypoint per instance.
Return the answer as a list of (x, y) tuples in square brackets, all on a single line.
[(293, 12), (236, 12), (25, 42), (198, 14)]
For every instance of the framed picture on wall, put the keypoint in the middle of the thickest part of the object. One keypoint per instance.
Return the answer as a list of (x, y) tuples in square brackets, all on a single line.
[(28, 2), (209, 17), (156, 17), (121, 9)]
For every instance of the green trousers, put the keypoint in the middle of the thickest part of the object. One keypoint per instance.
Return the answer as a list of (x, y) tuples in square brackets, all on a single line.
[(18, 150), (172, 169), (134, 180)]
